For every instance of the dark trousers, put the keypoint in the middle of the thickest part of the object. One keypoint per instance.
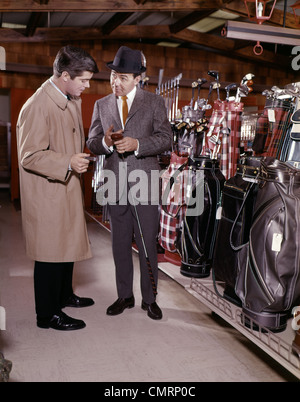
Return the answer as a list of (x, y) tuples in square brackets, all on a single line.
[(52, 286), (123, 225)]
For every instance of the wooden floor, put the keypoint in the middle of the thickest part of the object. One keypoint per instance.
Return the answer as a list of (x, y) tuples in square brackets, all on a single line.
[(190, 344)]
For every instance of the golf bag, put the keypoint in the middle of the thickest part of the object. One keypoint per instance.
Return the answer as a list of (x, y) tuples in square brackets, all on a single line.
[(199, 226), (268, 280), (272, 127), (223, 136), (172, 208), (237, 202)]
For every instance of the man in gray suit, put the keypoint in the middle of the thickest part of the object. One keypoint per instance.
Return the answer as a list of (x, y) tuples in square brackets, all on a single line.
[(146, 133)]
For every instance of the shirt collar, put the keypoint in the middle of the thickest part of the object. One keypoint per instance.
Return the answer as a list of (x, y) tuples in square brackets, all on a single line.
[(130, 95), (56, 87)]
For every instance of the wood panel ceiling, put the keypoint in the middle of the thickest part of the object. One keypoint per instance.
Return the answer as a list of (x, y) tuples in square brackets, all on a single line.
[(185, 23)]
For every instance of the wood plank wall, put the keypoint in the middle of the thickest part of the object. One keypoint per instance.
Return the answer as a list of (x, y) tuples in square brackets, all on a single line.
[(191, 63)]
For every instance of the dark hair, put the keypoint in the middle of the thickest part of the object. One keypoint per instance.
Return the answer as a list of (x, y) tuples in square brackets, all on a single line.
[(73, 60)]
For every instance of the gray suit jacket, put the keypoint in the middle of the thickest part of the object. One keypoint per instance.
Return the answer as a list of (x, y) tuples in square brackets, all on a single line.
[(147, 121)]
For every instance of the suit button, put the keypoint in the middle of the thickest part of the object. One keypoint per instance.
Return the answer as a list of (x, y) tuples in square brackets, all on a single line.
[(74, 130)]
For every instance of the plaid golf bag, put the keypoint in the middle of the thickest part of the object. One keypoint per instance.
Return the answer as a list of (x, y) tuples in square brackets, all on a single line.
[(172, 208), (272, 127), (268, 280), (199, 226), (223, 136), (235, 218)]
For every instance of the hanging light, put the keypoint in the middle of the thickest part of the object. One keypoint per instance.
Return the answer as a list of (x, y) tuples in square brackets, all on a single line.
[(260, 8), (295, 7), (260, 17)]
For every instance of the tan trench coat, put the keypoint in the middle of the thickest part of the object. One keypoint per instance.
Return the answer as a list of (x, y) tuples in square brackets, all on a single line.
[(49, 132)]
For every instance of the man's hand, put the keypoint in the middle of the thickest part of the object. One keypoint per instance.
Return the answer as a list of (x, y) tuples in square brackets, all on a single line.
[(79, 163), (107, 138), (127, 144)]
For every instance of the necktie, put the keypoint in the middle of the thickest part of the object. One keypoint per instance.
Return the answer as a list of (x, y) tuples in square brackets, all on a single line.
[(124, 109)]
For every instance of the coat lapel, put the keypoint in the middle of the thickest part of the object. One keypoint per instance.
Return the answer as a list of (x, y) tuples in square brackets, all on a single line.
[(136, 104), (112, 110)]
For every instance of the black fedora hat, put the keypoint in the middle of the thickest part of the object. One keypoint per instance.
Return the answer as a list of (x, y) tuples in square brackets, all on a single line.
[(127, 61)]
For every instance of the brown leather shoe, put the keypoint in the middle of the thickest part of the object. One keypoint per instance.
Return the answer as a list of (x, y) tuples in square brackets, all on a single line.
[(120, 305), (153, 310)]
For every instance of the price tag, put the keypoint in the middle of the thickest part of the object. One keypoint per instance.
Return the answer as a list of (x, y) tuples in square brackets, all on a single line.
[(271, 115), (219, 213), (276, 242)]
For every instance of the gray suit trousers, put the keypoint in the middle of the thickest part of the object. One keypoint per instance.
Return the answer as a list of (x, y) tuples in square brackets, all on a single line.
[(123, 225)]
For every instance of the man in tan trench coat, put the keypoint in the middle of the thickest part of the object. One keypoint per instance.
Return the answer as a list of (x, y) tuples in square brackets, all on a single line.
[(50, 141)]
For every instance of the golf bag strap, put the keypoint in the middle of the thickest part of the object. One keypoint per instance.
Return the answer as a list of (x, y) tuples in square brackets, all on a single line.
[(236, 248)]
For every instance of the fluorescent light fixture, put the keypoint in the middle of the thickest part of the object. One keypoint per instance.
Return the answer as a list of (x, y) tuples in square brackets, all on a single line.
[(168, 44), (215, 20), (12, 26), (262, 33)]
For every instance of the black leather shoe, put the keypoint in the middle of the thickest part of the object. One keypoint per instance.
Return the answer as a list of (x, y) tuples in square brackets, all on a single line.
[(76, 301), (61, 322), (119, 306), (153, 310)]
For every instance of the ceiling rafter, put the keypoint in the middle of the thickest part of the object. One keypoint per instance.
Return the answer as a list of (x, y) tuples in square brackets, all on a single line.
[(109, 5), (33, 23), (114, 22)]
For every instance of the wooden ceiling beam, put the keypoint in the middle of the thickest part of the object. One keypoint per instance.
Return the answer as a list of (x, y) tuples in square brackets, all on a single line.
[(33, 23), (209, 42), (114, 22), (107, 5)]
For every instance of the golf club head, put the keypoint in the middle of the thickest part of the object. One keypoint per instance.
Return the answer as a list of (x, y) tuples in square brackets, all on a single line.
[(244, 90), (247, 77), (269, 94), (275, 88), (201, 81), (228, 88), (293, 88), (216, 85), (214, 73), (285, 96)]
